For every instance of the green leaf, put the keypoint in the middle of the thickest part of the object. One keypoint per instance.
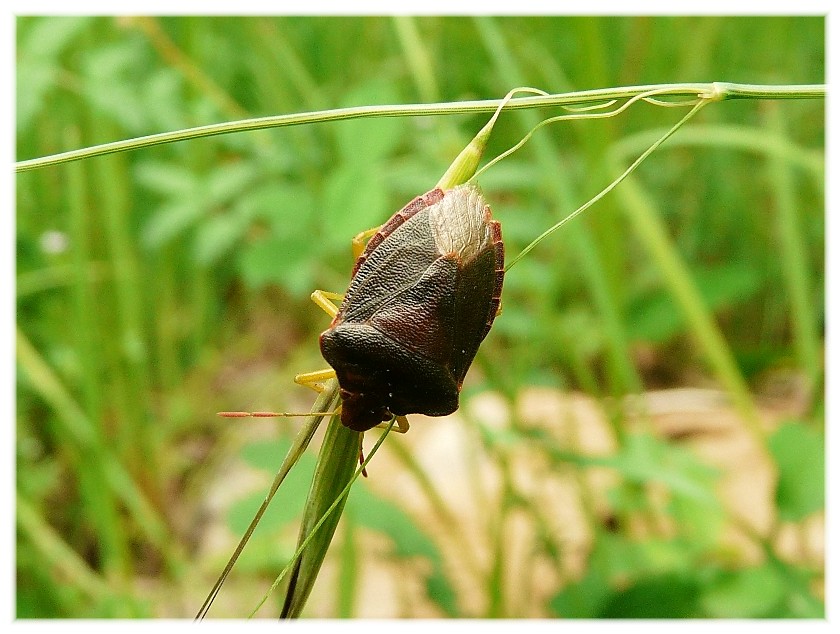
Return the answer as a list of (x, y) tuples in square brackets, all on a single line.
[(216, 237), (31, 94), (163, 100), (166, 178), (285, 262), (749, 593), (110, 84), (354, 200), (288, 504), (583, 599), (658, 318), (170, 221), (646, 458), (269, 455), (409, 541), (277, 516), (38, 62), (229, 181), (799, 452), (286, 207), (670, 596), (618, 556)]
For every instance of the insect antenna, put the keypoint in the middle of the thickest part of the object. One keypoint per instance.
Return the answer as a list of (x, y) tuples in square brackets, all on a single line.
[(271, 414)]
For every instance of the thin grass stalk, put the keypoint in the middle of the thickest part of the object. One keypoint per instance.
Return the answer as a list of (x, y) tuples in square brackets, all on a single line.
[(606, 230), (743, 138), (794, 264), (65, 565), (286, 82), (417, 57), (651, 231), (420, 64), (110, 531), (136, 434), (79, 435), (721, 91)]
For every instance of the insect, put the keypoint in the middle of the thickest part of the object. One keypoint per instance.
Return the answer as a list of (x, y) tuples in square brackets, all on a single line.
[(423, 295)]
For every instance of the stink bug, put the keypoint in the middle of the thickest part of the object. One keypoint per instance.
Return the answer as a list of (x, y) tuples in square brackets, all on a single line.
[(423, 295)]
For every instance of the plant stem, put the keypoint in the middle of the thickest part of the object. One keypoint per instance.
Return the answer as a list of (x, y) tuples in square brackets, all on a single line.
[(718, 91)]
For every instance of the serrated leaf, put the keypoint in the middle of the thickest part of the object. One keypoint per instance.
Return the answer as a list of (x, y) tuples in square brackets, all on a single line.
[(800, 456), (165, 178), (228, 181), (288, 208), (108, 87), (163, 100), (276, 260), (169, 221), (108, 62), (216, 237)]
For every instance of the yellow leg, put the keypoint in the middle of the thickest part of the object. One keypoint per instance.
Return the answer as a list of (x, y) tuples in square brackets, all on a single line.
[(315, 380), (323, 299), (360, 241), (401, 427)]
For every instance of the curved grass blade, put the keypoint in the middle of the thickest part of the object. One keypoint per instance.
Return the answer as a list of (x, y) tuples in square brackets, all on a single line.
[(336, 463), (326, 401), (336, 454)]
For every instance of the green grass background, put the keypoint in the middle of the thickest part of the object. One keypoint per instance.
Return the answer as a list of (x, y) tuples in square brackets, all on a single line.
[(157, 287)]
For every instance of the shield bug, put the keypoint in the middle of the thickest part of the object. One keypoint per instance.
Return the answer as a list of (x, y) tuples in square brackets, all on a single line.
[(423, 295)]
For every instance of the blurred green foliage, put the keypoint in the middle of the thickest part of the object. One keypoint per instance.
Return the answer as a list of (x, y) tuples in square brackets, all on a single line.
[(157, 287)]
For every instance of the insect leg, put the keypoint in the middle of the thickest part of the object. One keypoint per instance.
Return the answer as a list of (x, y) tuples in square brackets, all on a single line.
[(360, 241), (401, 427), (323, 300), (315, 379)]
